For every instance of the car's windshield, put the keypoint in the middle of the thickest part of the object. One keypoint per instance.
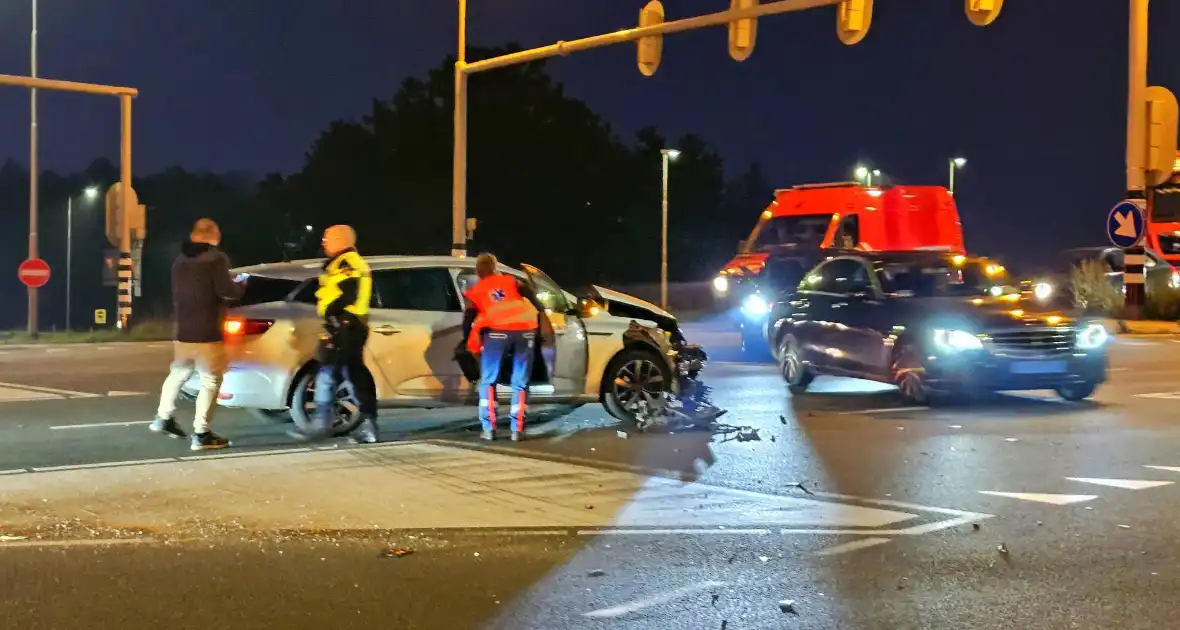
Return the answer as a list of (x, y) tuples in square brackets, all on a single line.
[(805, 230), (935, 279)]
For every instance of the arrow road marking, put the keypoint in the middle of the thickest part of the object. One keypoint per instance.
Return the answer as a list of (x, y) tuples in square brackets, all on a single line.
[(1126, 225), (654, 600), (1055, 499)]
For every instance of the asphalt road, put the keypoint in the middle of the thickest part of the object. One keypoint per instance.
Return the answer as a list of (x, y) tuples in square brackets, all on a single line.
[(1012, 512)]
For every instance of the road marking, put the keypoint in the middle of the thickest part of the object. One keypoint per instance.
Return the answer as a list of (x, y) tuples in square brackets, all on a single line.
[(1055, 499), (1126, 484), (673, 532), (1167, 468), (55, 350), (116, 392), (883, 410), (138, 462), (14, 471), (98, 425), (654, 600), (1163, 395), (852, 545), (80, 542), (282, 451), (51, 390)]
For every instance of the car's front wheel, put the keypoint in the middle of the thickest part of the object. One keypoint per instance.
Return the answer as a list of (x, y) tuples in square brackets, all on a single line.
[(345, 409), (790, 363), (910, 378), (636, 376), (1076, 392)]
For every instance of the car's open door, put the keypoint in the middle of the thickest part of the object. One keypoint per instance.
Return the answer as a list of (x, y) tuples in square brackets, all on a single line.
[(570, 342)]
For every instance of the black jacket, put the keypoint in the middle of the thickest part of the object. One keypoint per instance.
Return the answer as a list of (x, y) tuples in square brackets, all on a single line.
[(201, 288)]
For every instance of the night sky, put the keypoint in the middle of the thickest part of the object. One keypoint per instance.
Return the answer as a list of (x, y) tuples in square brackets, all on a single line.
[(1036, 101)]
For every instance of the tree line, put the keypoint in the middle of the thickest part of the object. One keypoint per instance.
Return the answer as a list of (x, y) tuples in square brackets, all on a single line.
[(549, 181)]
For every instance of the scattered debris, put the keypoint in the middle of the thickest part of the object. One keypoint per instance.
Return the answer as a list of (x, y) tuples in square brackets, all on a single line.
[(596, 573), (787, 606), (1002, 548), (975, 526), (1011, 440), (715, 598), (748, 434), (901, 428), (956, 426), (782, 418), (396, 552), (1124, 527), (801, 485), (1039, 523), (772, 439), (724, 624), (692, 407), (764, 558), (622, 434), (589, 507), (732, 558), (476, 554)]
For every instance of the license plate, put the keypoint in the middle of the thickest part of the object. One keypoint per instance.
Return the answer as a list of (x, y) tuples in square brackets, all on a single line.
[(1038, 367)]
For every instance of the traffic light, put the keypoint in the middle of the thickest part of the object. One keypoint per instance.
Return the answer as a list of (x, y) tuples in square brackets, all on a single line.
[(652, 46), (853, 18), (742, 32), (983, 12), (1162, 115)]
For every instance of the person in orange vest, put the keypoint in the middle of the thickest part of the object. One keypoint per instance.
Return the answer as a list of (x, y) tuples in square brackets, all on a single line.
[(502, 315)]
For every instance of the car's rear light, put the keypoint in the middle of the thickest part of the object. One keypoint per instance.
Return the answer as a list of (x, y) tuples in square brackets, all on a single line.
[(240, 327)]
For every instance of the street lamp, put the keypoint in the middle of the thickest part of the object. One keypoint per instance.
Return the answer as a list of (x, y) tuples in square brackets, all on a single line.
[(89, 194), (866, 174), (666, 155), (956, 164)]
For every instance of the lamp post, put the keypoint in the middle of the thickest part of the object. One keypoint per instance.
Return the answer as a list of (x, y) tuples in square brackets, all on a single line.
[(666, 155), (90, 194), (866, 174), (955, 164), (33, 248)]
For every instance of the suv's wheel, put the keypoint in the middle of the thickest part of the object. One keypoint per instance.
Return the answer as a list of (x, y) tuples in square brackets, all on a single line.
[(790, 364), (910, 378), (635, 375), (1077, 392), (345, 410)]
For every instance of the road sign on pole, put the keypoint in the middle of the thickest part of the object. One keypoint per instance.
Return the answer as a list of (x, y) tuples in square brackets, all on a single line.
[(1125, 223), (33, 273), (652, 46), (742, 33)]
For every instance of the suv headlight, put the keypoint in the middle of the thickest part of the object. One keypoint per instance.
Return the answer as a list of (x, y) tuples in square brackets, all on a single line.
[(1042, 290), (955, 340), (721, 284), (755, 306), (1092, 336)]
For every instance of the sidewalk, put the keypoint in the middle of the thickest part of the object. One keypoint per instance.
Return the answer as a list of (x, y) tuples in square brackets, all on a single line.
[(1141, 327)]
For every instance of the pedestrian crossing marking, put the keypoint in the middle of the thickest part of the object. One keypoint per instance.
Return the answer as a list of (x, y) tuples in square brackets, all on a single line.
[(1126, 484), (1167, 468)]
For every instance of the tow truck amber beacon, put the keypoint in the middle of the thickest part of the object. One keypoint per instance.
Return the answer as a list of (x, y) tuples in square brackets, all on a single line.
[(853, 19)]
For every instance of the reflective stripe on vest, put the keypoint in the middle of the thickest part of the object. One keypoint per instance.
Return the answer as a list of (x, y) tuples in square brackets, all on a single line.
[(349, 265)]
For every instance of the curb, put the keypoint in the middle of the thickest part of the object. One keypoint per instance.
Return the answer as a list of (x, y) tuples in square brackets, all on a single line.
[(75, 344), (1132, 327)]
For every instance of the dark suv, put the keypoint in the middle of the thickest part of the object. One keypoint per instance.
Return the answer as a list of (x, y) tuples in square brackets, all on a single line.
[(933, 324)]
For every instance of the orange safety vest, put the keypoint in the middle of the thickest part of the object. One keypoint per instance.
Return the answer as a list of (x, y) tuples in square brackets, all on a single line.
[(500, 306)]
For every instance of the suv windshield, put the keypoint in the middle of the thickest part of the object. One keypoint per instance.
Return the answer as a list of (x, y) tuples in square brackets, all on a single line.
[(932, 279), (805, 230)]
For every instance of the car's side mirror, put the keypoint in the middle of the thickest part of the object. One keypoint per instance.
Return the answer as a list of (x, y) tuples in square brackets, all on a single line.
[(589, 308)]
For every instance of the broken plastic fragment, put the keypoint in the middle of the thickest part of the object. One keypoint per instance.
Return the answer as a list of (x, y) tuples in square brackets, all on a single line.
[(1002, 548), (596, 573), (622, 434), (764, 558), (787, 606), (396, 552), (782, 418), (1124, 527)]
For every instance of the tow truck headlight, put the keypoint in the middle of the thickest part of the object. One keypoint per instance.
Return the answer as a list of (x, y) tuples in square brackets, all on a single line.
[(955, 340), (1092, 336), (1175, 281), (1042, 290), (721, 284), (755, 306)]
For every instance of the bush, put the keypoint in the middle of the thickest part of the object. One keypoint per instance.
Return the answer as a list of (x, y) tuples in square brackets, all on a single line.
[(1092, 289), (143, 330)]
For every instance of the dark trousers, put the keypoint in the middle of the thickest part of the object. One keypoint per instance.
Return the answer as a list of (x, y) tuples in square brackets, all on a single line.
[(342, 360)]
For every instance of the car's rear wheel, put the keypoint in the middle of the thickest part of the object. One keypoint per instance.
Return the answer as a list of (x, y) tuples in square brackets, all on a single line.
[(790, 363), (635, 377), (277, 416), (1077, 392), (345, 409)]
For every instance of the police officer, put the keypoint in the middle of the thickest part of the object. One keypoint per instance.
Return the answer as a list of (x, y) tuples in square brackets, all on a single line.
[(502, 316), (346, 286)]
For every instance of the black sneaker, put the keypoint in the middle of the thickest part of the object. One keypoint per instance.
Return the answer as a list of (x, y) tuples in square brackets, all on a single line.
[(208, 441), (168, 426)]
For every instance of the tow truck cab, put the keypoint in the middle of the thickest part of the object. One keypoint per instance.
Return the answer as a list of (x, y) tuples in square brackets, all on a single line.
[(843, 215)]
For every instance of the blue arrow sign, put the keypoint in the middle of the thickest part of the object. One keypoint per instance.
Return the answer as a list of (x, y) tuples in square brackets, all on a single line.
[(1125, 224)]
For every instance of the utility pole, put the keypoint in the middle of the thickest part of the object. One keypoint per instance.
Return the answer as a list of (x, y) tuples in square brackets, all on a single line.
[(1137, 137), (33, 167)]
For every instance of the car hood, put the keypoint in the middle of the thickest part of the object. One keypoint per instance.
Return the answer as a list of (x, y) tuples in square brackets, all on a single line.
[(993, 313), (610, 295)]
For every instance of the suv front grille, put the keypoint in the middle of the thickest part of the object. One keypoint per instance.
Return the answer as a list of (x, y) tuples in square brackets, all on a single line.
[(1039, 341)]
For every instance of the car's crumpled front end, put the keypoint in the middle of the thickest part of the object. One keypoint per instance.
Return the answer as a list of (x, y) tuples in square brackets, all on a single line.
[(690, 400)]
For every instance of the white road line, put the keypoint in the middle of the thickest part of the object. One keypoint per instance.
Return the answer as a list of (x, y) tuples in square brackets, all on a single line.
[(14, 471), (852, 545), (98, 425), (883, 410), (51, 390), (1167, 468), (117, 392), (655, 600), (670, 532), (81, 542), (282, 451), (1041, 497), (55, 350), (162, 460), (1126, 484)]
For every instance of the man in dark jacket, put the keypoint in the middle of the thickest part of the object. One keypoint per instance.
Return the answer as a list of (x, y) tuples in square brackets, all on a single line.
[(201, 289)]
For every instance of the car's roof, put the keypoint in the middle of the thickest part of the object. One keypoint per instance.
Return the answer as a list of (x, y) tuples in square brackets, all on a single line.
[(311, 267)]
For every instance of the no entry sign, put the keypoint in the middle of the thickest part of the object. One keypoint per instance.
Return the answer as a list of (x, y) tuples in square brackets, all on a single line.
[(33, 273)]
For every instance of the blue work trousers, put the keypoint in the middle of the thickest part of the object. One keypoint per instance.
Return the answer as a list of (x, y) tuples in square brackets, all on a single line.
[(495, 344)]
